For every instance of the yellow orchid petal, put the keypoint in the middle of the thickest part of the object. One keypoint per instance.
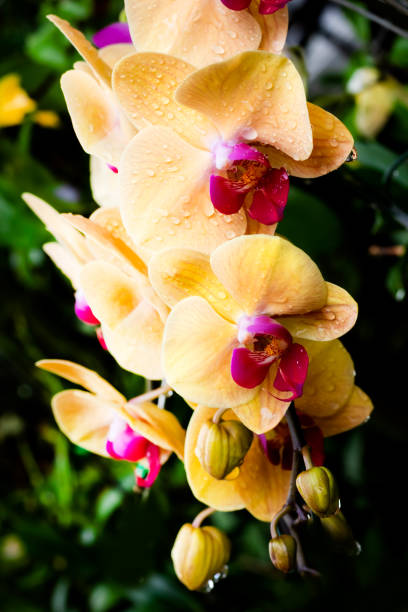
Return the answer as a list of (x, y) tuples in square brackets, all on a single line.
[(356, 411), (268, 274), (81, 376), (94, 116), (329, 381), (264, 411), (15, 103), (179, 273), (104, 182), (111, 54), (111, 294), (201, 32), (136, 341), (159, 426), (263, 486), (145, 84), (337, 317), (110, 219), (65, 261), (255, 227), (332, 144), (219, 494), (47, 118), (255, 95), (374, 106), (112, 246), (165, 197), (274, 27), (197, 350), (84, 419), (58, 226), (84, 48)]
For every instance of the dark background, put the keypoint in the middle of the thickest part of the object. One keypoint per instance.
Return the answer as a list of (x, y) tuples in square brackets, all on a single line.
[(74, 536)]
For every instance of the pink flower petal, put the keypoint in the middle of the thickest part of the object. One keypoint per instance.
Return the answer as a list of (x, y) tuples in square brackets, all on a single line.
[(83, 310), (112, 34), (224, 195), (101, 339), (248, 368), (267, 7), (270, 197), (113, 168), (153, 457), (236, 5), (243, 151), (262, 325), (292, 372), (124, 443)]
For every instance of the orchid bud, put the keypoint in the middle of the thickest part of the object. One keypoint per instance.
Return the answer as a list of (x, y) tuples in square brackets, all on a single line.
[(282, 551), (319, 490), (340, 532), (199, 555), (222, 446)]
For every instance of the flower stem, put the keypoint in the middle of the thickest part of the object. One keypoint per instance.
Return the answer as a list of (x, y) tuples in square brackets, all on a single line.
[(150, 395), (202, 516)]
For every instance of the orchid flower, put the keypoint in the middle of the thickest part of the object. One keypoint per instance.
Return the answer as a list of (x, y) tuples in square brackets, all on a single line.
[(331, 404), (236, 335), (265, 7), (99, 123), (103, 422), (203, 32), (219, 140), (110, 282)]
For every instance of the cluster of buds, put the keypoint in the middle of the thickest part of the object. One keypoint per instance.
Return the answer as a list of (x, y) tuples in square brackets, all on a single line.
[(195, 121)]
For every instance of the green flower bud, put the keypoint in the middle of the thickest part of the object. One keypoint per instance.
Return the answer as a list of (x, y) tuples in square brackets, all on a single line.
[(340, 532), (319, 490), (199, 554), (222, 446), (282, 551)]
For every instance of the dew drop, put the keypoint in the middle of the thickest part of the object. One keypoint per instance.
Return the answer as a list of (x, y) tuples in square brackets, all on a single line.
[(150, 172), (165, 100), (268, 85)]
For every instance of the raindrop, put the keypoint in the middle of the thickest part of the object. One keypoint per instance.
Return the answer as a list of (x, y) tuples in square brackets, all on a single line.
[(150, 172), (268, 85)]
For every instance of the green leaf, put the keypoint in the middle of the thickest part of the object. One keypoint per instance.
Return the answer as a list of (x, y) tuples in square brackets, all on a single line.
[(47, 47), (310, 224), (106, 504), (399, 53)]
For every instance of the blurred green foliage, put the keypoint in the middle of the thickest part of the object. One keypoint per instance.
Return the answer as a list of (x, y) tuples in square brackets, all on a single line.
[(74, 534)]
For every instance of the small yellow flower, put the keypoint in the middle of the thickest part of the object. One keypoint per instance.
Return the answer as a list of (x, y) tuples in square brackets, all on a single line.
[(15, 103)]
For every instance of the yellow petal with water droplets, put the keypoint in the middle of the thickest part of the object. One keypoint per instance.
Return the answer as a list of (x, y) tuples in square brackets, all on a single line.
[(84, 419), (355, 412), (65, 261), (263, 486), (197, 351), (165, 198), (264, 411), (145, 84), (58, 226), (111, 54), (334, 319), (84, 48), (269, 275), (219, 494), (256, 96), (136, 341), (159, 426), (332, 144), (200, 32), (274, 27), (179, 273), (94, 116), (329, 380), (80, 375), (114, 248)]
